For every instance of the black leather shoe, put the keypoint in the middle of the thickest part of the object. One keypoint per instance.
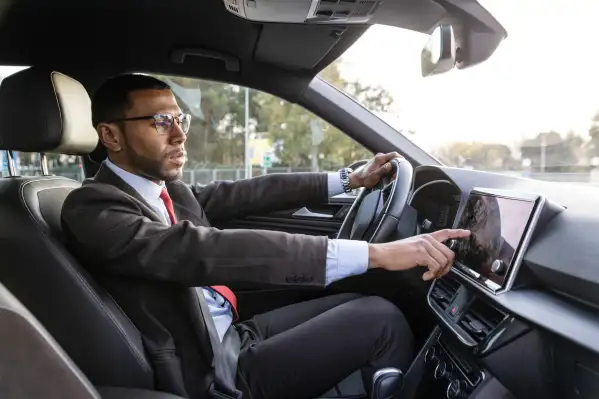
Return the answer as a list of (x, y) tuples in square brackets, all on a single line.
[(387, 383)]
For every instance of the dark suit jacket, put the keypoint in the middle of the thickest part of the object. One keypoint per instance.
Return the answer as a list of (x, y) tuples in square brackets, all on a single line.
[(149, 267)]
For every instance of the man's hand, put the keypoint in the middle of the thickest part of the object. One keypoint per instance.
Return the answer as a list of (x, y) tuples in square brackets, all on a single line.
[(425, 250), (370, 174)]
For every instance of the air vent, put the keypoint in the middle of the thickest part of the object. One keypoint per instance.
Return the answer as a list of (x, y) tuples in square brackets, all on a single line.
[(363, 8), (232, 5), (444, 291), (481, 319)]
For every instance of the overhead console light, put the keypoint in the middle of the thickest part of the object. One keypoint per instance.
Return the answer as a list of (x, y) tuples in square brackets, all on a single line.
[(305, 11)]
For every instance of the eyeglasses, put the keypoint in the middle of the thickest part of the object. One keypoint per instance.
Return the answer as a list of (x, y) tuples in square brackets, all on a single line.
[(162, 122)]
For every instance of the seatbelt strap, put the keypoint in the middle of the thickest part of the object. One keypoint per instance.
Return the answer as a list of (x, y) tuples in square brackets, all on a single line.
[(231, 348), (224, 362)]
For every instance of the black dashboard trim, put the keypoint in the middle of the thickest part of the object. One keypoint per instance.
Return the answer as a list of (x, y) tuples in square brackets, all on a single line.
[(458, 332), (562, 255), (563, 318)]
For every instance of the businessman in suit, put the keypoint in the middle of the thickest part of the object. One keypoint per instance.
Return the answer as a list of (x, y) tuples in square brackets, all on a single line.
[(147, 238)]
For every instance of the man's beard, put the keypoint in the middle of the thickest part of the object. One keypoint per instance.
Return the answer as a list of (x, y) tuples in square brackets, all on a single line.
[(152, 169)]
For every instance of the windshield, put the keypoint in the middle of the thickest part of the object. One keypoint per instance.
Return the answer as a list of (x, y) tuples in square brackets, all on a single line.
[(532, 109)]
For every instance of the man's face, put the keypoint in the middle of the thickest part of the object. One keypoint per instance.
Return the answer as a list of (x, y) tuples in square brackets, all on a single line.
[(156, 154)]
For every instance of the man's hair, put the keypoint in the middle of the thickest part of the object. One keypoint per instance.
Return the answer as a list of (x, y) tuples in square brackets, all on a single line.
[(111, 100)]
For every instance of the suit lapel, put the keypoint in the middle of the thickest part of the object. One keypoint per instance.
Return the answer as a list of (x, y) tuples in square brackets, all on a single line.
[(185, 204), (107, 176)]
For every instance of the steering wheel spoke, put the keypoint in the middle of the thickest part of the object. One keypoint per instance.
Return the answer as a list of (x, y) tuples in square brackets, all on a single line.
[(375, 213)]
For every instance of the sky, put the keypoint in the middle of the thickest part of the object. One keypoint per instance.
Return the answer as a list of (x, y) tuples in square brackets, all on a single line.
[(543, 76)]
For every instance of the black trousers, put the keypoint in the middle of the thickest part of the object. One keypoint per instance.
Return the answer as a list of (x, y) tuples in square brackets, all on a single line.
[(302, 350)]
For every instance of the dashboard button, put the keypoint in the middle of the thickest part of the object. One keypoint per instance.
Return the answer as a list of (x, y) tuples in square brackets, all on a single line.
[(441, 370), (426, 226), (498, 267), (455, 389), (430, 355)]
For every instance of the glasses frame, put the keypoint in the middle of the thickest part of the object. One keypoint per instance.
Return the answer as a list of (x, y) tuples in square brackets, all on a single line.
[(178, 118)]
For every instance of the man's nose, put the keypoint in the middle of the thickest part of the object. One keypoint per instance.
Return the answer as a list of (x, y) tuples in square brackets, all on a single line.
[(177, 134)]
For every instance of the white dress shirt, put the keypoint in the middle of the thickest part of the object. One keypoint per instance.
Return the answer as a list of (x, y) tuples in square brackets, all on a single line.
[(344, 257)]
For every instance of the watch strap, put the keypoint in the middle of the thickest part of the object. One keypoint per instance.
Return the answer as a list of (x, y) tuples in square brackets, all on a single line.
[(344, 175)]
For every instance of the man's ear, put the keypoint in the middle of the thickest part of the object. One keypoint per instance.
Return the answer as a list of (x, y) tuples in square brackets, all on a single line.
[(110, 136)]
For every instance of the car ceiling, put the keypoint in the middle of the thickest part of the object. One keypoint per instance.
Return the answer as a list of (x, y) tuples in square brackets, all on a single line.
[(92, 39)]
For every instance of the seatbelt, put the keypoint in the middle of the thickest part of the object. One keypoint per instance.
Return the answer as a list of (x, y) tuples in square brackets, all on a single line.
[(224, 361), (231, 348)]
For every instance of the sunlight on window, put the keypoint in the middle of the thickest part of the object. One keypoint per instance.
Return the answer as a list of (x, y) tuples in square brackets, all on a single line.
[(530, 110)]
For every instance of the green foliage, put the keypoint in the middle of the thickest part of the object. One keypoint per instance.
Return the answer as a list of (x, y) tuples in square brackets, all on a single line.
[(217, 133)]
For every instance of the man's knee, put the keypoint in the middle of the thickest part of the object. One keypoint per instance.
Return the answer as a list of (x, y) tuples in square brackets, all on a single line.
[(389, 321), (380, 309)]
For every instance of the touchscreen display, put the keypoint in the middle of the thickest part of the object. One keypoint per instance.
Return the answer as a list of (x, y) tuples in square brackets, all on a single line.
[(497, 226)]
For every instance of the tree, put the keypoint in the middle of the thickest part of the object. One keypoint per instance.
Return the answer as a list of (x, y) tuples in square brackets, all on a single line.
[(593, 146), (217, 132), (289, 124), (550, 152), (484, 156)]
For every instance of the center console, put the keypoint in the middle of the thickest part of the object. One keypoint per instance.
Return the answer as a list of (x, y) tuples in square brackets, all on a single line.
[(471, 325), (455, 372), (444, 368)]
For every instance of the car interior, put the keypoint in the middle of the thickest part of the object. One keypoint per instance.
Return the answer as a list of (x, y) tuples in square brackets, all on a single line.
[(515, 317)]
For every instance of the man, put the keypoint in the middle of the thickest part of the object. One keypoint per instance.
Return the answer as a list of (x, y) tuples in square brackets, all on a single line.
[(146, 236)]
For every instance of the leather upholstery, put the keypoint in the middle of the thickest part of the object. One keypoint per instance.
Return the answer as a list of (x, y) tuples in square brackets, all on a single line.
[(42, 110), (36, 267), (128, 393), (78, 313), (32, 364)]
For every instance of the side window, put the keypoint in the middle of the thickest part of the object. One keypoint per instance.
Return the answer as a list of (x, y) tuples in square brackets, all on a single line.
[(281, 137), (28, 164)]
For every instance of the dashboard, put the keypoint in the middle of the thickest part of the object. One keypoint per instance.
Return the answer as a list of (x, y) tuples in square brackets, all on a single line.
[(522, 298)]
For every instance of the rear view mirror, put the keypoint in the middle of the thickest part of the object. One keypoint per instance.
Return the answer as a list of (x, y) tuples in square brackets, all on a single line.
[(438, 54)]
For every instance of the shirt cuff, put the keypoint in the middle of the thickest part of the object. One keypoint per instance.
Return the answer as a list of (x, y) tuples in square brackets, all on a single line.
[(345, 258), (334, 184)]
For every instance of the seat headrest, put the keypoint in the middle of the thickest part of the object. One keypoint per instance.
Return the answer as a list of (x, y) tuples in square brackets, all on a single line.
[(42, 110)]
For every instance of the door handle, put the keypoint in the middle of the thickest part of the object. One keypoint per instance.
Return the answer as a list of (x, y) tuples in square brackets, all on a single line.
[(306, 213)]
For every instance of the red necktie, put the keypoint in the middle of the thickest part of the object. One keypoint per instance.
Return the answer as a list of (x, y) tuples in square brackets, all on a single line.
[(221, 289), (168, 203)]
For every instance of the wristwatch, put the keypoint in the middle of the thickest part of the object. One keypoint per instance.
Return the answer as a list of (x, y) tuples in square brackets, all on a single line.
[(344, 174)]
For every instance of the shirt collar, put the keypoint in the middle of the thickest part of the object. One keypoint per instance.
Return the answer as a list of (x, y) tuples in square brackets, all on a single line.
[(149, 190)]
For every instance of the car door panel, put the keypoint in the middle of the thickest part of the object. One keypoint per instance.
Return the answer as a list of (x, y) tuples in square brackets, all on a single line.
[(314, 220)]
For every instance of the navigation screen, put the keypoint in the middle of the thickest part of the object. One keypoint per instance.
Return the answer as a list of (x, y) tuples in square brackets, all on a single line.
[(497, 226)]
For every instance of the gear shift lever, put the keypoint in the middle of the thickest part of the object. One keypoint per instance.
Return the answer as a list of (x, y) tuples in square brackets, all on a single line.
[(386, 383)]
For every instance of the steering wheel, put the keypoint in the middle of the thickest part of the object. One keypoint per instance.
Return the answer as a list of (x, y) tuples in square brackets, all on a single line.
[(375, 213)]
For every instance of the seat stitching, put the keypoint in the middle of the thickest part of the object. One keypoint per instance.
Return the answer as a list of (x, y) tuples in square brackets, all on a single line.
[(139, 357)]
